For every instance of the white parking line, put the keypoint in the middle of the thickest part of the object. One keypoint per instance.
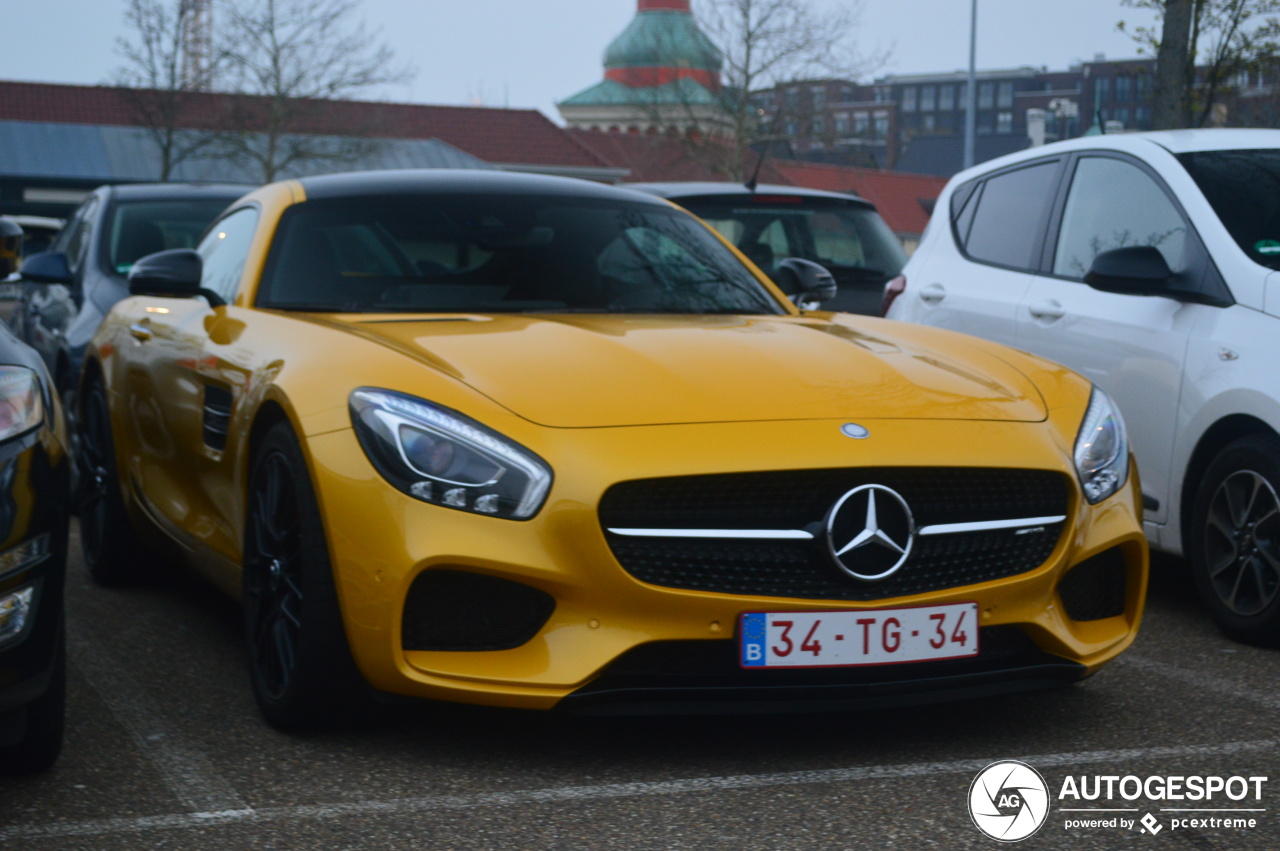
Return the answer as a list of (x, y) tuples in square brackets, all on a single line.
[(405, 806), (185, 771), (1199, 680)]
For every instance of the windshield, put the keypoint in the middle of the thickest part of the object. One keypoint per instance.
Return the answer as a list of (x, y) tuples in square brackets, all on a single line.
[(502, 254), (848, 238), (1243, 187), (139, 228)]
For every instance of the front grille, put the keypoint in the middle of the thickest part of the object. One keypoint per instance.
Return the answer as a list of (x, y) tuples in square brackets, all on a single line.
[(800, 500), (459, 611), (1095, 588)]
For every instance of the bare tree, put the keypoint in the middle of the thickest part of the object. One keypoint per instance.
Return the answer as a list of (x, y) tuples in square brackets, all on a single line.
[(158, 82), (288, 60), (1201, 46)]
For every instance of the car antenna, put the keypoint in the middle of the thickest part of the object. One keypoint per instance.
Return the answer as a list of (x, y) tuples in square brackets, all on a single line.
[(755, 177)]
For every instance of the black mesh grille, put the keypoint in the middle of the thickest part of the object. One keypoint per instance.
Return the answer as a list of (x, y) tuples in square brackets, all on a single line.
[(800, 500), (453, 610), (1095, 588)]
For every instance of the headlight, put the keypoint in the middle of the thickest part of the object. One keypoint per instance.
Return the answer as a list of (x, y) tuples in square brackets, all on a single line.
[(442, 457), (1102, 449), (20, 407), (15, 612)]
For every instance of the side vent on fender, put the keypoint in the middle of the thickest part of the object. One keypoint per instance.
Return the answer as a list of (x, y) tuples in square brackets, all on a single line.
[(217, 416)]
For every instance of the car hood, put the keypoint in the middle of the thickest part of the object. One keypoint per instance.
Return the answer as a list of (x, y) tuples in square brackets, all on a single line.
[(583, 371)]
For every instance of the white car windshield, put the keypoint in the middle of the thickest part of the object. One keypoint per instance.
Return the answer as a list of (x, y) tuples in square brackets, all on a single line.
[(1244, 189)]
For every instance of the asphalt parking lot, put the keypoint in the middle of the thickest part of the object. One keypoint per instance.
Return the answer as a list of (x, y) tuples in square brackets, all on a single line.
[(165, 749)]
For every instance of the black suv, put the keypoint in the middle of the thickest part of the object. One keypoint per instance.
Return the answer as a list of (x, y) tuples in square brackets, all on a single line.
[(66, 291), (771, 224)]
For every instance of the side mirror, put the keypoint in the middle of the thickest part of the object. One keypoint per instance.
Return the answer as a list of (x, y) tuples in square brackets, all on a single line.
[(1135, 270), (174, 274), (808, 283), (48, 268)]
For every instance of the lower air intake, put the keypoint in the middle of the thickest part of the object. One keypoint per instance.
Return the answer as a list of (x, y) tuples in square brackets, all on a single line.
[(454, 610), (1095, 588)]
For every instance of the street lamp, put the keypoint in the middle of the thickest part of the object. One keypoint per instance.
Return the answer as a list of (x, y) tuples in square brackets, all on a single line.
[(971, 96)]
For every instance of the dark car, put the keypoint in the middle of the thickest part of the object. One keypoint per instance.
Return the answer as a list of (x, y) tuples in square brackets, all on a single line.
[(771, 224), (68, 289), (34, 483)]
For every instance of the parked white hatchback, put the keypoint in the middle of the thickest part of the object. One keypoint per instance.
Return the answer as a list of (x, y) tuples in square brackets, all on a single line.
[(1149, 262)]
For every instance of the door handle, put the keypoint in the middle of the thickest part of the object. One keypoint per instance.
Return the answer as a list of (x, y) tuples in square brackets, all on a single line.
[(139, 331), (933, 293), (1050, 311)]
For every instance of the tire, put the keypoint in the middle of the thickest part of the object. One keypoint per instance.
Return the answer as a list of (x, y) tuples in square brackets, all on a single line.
[(113, 554), (303, 674), (70, 413), (41, 743), (1234, 540)]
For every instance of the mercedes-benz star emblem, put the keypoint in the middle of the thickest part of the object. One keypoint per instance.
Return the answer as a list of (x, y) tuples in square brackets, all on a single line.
[(870, 532)]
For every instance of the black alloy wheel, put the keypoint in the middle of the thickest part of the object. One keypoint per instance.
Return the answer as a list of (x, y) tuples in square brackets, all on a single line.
[(303, 675), (112, 552), (1235, 553), (273, 577), (68, 395)]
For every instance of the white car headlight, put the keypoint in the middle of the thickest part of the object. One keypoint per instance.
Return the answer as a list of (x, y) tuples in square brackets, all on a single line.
[(440, 456), (1102, 449), (21, 408)]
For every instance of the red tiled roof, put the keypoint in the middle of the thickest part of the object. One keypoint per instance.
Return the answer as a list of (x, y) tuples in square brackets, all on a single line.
[(516, 136), (655, 158), (904, 200)]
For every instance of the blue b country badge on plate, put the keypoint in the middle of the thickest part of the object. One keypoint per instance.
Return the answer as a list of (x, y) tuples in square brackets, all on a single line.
[(754, 638)]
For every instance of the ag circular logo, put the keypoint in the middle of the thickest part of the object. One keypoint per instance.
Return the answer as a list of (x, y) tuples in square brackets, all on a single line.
[(870, 532), (1009, 801)]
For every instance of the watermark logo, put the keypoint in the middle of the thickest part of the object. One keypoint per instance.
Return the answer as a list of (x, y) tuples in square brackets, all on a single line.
[(1009, 801)]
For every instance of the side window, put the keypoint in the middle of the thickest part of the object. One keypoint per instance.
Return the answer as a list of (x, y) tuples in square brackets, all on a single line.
[(1010, 213), (1114, 204), (75, 238), (224, 251)]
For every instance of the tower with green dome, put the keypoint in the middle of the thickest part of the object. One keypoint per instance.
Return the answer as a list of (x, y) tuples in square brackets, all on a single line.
[(662, 73)]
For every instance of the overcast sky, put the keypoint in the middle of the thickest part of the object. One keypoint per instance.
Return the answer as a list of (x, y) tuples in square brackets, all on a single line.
[(531, 54)]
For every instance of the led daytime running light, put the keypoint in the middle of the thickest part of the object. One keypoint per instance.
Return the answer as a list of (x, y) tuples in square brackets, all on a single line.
[(394, 410)]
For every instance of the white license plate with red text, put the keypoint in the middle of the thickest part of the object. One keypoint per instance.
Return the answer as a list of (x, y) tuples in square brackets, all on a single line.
[(864, 637)]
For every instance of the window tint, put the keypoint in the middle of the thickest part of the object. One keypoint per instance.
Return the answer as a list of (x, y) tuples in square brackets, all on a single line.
[(1244, 189), (503, 254), (847, 237), (1114, 204), (77, 235), (224, 251), (1006, 225), (139, 228)]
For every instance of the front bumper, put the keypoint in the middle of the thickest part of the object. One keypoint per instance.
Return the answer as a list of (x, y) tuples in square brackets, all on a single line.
[(703, 677), (34, 512), (380, 541)]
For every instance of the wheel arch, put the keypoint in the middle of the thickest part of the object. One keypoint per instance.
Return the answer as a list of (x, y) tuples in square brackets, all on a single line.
[(1216, 438)]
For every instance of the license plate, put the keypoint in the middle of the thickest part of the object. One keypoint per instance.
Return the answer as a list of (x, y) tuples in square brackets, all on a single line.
[(864, 637)]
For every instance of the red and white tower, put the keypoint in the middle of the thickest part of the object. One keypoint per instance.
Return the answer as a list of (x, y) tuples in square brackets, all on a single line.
[(662, 73)]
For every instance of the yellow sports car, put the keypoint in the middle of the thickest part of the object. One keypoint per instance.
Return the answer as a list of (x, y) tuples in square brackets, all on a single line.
[(524, 441)]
